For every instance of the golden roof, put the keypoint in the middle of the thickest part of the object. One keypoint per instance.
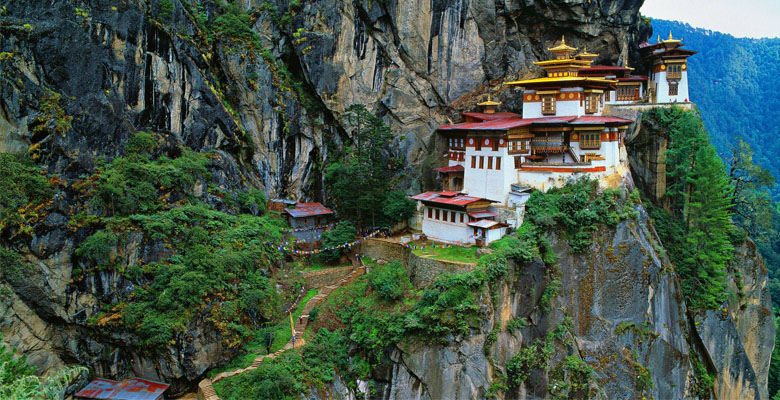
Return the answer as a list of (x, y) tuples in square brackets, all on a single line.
[(562, 79), (489, 102), (670, 40), (584, 53), (562, 47)]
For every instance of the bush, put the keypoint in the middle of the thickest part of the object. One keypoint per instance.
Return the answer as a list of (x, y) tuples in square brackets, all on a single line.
[(24, 188), (390, 281), (97, 248), (345, 232)]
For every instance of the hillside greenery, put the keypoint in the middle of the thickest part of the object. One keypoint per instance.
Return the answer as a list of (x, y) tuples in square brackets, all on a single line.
[(147, 198)]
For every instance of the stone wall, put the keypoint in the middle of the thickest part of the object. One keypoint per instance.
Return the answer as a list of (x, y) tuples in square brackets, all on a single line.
[(325, 277)]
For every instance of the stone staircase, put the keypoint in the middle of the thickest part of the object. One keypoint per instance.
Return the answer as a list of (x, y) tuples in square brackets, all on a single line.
[(206, 388)]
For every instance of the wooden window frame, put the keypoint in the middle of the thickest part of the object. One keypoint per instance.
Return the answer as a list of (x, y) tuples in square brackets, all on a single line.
[(490, 162), (452, 216), (590, 141), (473, 162), (430, 213), (591, 103), (444, 215), (461, 217), (548, 104), (477, 144), (498, 163), (437, 214), (674, 88), (495, 144), (481, 162), (518, 162)]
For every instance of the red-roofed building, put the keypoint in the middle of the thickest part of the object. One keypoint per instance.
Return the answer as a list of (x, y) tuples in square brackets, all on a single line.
[(128, 389), (501, 156), (309, 220), (446, 217)]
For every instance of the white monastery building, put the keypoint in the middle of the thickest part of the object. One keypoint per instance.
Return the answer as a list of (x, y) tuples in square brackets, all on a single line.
[(496, 158)]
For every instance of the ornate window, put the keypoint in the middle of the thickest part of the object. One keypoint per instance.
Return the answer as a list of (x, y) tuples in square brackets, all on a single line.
[(591, 103), (673, 88), (548, 104), (674, 71), (590, 140)]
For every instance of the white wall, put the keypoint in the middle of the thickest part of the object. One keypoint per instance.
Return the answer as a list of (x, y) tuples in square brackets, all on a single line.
[(450, 232), (494, 234), (662, 95), (486, 183)]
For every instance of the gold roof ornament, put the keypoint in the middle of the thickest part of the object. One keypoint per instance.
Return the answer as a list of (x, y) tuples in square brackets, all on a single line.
[(561, 48), (584, 55), (671, 39), (489, 102)]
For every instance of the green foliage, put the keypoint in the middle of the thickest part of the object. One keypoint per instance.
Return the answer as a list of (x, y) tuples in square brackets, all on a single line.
[(774, 365), (578, 209), (516, 324), (234, 24), (97, 248), (132, 184), (24, 190), (166, 10), (273, 379), (571, 378), (18, 382), (361, 182), (550, 291), (52, 117), (751, 200), (531, 357), (252, 201), (209, 254), (698, 229), (345, 232), (390, 281), (703, 382)]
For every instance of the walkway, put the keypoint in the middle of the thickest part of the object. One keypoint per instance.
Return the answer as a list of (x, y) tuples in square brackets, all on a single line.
[(206, 388)]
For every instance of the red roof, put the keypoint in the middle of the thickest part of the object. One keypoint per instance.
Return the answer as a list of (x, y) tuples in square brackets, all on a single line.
[(444, 198), (503, 124), (633, 78), (308, 210), (483, 214), (454, 168), (128, 389), (485, 223), (484, 116), (591, 119)]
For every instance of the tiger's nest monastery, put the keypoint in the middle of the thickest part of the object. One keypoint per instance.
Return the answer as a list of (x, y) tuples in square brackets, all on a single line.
[(496, 158)]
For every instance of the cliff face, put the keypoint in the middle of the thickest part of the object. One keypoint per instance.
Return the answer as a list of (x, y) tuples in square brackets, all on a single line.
[(271, 112)]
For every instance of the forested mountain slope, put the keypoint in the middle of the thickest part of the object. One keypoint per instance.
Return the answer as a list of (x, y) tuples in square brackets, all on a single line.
[(731, 81)]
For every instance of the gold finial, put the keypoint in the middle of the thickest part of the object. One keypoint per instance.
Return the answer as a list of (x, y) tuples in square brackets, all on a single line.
[(670, 35), (659, 38), (625, 62), (563, 40)]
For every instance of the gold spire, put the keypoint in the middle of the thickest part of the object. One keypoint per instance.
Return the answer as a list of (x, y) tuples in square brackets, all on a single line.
[(671, 39), (562, 47), (489, 102), (670, 34), (659, 39)]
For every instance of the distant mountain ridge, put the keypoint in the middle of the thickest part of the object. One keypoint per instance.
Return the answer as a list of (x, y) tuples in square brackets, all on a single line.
[(731, 81)]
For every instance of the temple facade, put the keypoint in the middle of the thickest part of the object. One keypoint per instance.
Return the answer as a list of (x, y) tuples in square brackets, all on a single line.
[(495, 158)]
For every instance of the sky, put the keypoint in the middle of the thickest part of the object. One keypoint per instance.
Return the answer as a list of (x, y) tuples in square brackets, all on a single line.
[(740, 18)]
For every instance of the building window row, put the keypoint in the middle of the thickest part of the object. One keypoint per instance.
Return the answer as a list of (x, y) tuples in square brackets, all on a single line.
[(625, 93), (478, 162), (590, 140), (445, 215), (674, 71), (458, 143), (519, 146), (592, 103)]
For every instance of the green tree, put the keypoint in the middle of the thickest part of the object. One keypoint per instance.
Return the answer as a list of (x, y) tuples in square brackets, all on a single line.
[(752, 200), (18, 382), (361, 182), (697, 227), (345, 232)]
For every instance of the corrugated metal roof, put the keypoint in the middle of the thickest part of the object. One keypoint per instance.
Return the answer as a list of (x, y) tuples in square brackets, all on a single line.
[(633, 78), (459, 200), (454, 168), (128, 389), (591, 119), (484, 223), (483, 214), (308, 210)]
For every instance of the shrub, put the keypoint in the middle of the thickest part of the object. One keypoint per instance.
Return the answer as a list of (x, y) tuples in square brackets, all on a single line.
[(345, 232), (24, 188), (390, 281), (97, 248)]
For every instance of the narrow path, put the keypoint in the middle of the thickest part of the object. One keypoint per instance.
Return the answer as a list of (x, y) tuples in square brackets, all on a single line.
[(206, 388)]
